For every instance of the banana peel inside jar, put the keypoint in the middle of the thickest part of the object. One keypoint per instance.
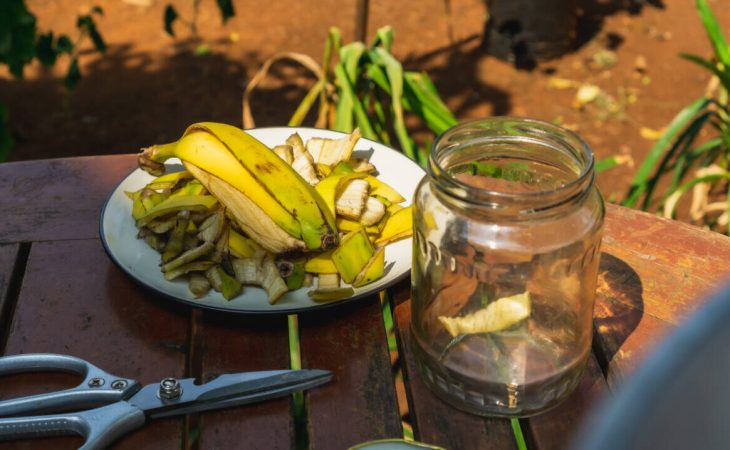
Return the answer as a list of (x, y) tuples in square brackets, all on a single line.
[(498, 315)]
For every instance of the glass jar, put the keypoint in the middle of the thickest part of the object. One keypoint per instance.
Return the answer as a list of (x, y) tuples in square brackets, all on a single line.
[(507, 232)]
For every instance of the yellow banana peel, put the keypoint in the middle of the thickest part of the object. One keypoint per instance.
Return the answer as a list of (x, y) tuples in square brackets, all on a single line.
[(292, 191), (373, 270), (398, 226)]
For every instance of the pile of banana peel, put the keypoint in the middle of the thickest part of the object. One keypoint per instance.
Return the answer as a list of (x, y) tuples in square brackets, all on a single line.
[(243, 214)]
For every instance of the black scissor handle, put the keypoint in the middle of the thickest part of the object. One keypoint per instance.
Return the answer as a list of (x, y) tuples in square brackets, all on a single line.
[(98, 386)]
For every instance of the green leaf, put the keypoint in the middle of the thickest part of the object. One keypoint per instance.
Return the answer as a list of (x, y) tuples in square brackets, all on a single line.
[(606, 164), (705, 179), (346, 72), (170, 17), (383, 36), (682, 148), (303, 109), (680, 121), (45, 51), (226, 9), (201, 50), (97, 10), (73, 75), (714, 33), (64, 44), (722, 74), (6, 138), (394, 71), (86, 23)]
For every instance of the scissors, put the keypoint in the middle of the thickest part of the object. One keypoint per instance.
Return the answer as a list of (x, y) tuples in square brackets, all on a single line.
[(127, 405)]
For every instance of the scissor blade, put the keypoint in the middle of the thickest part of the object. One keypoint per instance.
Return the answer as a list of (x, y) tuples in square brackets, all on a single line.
[(228, 390)]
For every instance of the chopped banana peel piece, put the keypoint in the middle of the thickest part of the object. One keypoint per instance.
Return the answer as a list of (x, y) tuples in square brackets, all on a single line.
[(496, 316), (173, 205), (195, 266), (210, 229), (323, 170), (246, 270), (330, 294), (361, 165), (302, 161), (332, 151), (342, 168), (351, 225), (379, 187), (284, 152), (328, 281), (169, 180), (398, 226), (295, 279), (198, 284), (192, 188), (223, 283), (374, 269), (373, 212), (189, 256), (271, 281), (241, 246), (174, 245), (321, 264), (351, 201), (352, 255)]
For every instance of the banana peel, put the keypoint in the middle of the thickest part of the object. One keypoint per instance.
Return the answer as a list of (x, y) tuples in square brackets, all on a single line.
[(253, 220), (352, 255), (171, 205), (496, 316), (206, 152), (398, 226), (294, 193), (373, 270), (381, 188)]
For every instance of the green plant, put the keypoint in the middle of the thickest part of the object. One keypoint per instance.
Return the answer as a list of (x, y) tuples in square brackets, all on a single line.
[(679, 153), (21, 43), (170, 16), (365, 87)]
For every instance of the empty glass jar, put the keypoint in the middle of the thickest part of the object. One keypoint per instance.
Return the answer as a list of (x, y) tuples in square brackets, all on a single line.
[(507, 231)]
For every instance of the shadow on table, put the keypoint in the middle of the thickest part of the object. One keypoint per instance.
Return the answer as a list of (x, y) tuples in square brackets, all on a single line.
[(618, 309)]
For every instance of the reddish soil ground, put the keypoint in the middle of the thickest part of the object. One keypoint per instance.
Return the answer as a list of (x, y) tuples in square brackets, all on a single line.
[(149, 86)]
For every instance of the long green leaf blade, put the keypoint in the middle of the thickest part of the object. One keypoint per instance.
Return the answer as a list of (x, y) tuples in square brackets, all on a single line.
[(714, 33), (680, 121), (723, 74)]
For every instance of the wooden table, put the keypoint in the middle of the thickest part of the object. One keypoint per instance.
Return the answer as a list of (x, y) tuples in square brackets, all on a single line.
[(59, 292)]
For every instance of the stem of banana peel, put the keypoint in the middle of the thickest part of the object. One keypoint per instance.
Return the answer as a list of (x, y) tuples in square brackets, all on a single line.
[(152, 159)]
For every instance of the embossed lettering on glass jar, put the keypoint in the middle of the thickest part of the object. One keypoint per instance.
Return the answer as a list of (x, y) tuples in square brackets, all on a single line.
[(507, 231)]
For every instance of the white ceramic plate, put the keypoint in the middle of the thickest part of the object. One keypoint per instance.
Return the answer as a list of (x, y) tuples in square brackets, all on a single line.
[(133, 256)]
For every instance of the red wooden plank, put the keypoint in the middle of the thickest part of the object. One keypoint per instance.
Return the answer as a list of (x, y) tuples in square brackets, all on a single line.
[(359, 404), (556, 428), (624, 334), (58, 198), (677, 264), (235, 343), (74, 301), (434, 421)]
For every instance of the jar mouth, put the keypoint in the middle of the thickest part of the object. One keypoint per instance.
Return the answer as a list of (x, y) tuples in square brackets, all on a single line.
[(508, 160)]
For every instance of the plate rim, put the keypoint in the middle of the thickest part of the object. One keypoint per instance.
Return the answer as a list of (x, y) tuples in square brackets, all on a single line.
[(271, 312)]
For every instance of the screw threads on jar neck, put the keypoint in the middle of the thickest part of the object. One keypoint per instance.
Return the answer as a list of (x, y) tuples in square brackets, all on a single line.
[(511, 165)]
